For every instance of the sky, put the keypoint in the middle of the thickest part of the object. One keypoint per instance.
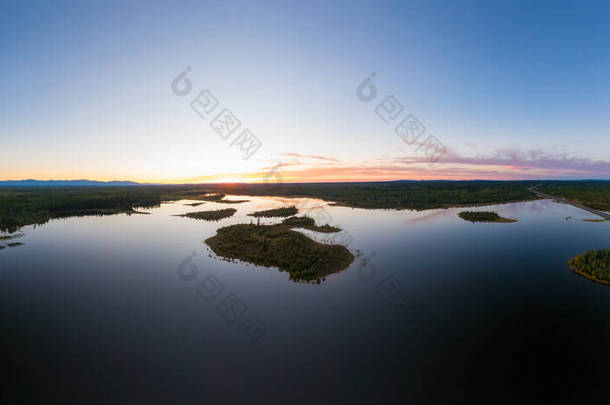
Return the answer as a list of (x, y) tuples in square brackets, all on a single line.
[(497, 90)]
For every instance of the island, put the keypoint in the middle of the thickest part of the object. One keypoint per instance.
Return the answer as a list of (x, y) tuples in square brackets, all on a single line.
[(279, 246), (223, 201), (309, 223), (197, 204), (218, 198), (213, 215), (483, 216), (276, 212), (594, 265)]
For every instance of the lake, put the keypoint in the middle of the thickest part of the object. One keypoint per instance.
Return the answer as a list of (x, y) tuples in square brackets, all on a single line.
[(433, 310)]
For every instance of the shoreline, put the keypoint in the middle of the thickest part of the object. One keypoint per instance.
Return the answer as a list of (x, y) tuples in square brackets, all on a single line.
[(574, 270), (563, 200)]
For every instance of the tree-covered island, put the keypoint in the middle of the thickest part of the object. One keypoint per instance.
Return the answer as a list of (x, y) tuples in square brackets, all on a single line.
[(594, 265), (213, 215), (276, 212), (280, 246), (483, 216)]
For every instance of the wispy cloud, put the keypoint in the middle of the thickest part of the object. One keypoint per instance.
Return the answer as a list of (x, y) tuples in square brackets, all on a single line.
[(315, 157), (504, 164), (516, 163)]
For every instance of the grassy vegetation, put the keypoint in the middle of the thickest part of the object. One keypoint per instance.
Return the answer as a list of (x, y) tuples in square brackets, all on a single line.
[(213, 215), (309, 223), (483, 216), (276, 212), (279, 246), (594, 265), (594, 194)]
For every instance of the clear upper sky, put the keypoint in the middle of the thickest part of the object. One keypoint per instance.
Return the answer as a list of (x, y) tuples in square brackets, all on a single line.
[(511, 89)]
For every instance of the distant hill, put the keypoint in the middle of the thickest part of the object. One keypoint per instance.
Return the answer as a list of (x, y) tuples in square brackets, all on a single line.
[(55, 183)]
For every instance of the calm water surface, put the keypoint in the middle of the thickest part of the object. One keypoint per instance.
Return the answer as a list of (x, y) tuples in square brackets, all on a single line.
[(434, 310)]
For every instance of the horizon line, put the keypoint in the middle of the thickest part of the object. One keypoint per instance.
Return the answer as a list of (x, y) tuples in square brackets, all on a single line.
[(138, 183)]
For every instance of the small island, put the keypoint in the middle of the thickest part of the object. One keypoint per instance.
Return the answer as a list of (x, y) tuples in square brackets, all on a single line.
[(279, 246), (483, 216), (594, 265), (232, 201), (197, 204), (214, 197), (211, 197), (309, 223), (223, 201), (276, 212), (214, 215)]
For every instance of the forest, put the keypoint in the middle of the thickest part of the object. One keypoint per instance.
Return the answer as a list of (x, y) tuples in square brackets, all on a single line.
[(594, 264), (418, 195), (594, 194), (20, 206)]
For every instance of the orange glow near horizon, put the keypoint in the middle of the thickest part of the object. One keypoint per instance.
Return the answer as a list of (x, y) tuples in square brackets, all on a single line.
[(316, 169)]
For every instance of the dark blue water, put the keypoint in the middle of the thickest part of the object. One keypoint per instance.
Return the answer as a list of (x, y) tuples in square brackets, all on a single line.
[(132, 309)]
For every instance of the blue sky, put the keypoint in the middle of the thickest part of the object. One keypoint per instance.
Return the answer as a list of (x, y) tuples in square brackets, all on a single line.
[(511, 89)]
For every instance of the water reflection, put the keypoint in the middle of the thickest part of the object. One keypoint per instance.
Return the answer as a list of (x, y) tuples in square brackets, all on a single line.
[(484, 311)]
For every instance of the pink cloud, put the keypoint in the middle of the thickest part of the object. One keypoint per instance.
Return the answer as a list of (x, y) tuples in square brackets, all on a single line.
[(506, 164)]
